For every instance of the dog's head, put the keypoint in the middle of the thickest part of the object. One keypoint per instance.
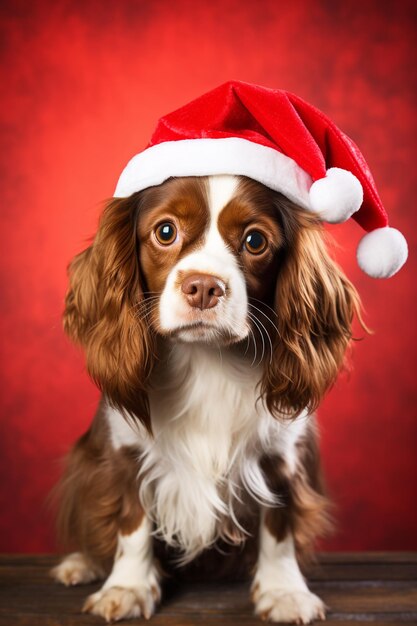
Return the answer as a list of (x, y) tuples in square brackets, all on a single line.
[(222, 260)]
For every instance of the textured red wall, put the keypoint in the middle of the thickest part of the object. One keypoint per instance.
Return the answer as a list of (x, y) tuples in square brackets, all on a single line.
[(84, 85)]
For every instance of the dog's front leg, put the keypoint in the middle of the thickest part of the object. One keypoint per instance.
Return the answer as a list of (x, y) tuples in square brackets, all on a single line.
[(279, 589), (132, 589)]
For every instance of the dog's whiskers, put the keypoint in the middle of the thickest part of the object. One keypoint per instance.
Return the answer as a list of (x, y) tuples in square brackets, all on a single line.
[(144, 303), (146, 308), (255, 321), (252, 335), (264, 304), (269, 338), (265, 315), (258, 323)]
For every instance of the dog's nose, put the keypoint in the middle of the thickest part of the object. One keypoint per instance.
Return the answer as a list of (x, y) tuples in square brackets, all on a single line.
[(202, 290)]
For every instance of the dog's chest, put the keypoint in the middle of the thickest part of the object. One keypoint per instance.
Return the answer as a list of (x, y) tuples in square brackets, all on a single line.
[(209, 436), (205, 420), (204, 405)]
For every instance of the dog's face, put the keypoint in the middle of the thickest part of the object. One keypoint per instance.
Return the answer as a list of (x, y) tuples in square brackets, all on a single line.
[(216, 260), (209, 251)]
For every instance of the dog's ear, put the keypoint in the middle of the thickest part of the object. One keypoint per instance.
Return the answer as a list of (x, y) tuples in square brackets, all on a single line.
[(101, 311), (315, 304)]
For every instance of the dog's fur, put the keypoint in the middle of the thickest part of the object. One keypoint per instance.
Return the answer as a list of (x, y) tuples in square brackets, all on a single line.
[(205, 439)]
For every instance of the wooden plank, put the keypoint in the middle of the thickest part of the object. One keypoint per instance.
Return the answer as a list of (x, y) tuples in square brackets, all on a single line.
[(364, 598), (398, 566), (365, 570), (28, 596), (196, 620)]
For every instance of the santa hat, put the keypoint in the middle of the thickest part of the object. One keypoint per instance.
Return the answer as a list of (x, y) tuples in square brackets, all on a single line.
[(285, 143)]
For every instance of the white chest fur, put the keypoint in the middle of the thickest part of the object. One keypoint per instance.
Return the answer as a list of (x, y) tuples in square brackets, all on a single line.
[(209, 435)]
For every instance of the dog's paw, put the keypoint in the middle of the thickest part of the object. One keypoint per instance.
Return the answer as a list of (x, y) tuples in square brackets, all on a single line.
[(76, 569), (284, 605), (117, 603)]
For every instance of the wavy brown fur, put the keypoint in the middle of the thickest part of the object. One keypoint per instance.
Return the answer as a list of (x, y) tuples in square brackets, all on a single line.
[(315, 305), (104, 293), (98, 495), (305, 509)]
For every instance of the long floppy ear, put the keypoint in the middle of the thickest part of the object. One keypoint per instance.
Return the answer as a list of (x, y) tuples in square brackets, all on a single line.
[(315, 304), (101, 311)]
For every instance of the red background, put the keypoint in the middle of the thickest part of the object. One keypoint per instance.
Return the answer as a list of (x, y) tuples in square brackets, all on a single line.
[(84, 85)]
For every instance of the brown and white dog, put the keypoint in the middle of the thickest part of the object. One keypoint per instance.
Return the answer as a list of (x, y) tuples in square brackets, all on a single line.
[(213, 320)]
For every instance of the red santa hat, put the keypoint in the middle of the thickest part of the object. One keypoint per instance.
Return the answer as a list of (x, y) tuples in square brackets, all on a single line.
[(285, 143)]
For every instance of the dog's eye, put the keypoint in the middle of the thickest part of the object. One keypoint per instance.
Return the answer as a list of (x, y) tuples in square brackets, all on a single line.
[(166, 233), (255, 242)]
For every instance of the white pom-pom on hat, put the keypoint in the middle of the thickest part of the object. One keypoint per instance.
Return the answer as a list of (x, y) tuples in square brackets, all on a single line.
[(382, 252), (337, 196)]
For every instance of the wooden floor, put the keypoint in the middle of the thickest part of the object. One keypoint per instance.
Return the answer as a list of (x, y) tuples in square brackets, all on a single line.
[(358, 588)]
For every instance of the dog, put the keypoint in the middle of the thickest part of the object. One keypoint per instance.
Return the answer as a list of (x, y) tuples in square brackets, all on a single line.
[(214, 320)]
